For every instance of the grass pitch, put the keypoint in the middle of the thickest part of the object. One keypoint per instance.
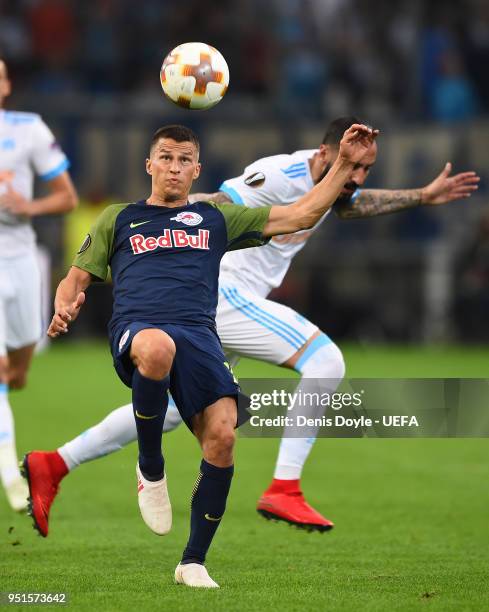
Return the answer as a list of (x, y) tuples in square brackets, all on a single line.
[(412, 518)]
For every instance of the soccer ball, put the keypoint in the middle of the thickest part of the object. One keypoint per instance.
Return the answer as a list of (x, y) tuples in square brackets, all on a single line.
[(194, 75)]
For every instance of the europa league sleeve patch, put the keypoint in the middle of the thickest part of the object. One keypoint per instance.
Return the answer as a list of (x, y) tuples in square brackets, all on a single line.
[(255, 180), (86, 243)]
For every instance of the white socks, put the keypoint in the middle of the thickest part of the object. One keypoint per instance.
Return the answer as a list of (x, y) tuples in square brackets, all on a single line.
[(292, 456), (322, 368), (116, 431), (9, 468)]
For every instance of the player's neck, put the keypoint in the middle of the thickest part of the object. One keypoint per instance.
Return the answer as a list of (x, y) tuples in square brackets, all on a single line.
[(316, 168), (155, 200)]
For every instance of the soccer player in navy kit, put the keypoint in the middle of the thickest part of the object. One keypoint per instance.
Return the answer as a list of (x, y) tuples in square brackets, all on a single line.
[(164, 256)]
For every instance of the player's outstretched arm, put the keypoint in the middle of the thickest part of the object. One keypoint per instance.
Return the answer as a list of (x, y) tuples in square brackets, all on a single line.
[(307, 211), (443, 189), (69, 299)]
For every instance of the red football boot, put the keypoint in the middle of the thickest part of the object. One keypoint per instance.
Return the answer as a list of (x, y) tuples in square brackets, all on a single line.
[(284, 501), (43, 472)]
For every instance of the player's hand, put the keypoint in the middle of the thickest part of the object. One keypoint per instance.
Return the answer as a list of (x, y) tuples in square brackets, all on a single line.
[(446, 188), (65, 315), (14, 202), (356, 141)]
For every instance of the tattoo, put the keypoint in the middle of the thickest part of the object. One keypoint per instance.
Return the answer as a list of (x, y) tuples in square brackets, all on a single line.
[(372, 202), (219, 197)]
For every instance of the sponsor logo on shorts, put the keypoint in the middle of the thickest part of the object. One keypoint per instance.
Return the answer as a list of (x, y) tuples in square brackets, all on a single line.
[(178, 239), (123, 339), (255, 180), (85, 244), (188, 218)]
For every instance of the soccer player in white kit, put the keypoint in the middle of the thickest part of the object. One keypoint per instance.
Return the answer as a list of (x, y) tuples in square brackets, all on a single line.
[(27, 148), (251, 325)]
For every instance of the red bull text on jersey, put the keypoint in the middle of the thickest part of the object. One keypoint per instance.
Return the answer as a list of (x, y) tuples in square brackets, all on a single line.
[(165, 261)]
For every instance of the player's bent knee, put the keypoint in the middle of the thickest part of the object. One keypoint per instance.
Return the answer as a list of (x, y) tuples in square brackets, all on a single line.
[(153, 352), (322, 359), (156, 366), (226, 440), (219, 442)]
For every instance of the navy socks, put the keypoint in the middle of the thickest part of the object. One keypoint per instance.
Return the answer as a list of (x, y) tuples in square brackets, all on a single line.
[(150, 401), (208, 504)]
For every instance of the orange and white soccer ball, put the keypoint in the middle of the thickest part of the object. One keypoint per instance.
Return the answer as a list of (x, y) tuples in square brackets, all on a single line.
[(194, 75)]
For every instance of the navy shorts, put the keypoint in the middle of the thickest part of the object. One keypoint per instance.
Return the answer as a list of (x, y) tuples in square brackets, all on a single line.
[(200, 374)]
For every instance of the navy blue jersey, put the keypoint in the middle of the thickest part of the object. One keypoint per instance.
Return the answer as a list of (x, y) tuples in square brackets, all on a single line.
[(165, 261)]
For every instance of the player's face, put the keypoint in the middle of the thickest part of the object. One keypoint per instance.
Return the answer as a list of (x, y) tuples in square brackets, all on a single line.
[(359, 172), (173, 167), (4, 82)]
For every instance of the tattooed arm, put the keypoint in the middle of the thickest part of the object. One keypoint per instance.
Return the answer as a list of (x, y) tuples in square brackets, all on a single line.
[(219, 197), (372, 202), (444, 188)]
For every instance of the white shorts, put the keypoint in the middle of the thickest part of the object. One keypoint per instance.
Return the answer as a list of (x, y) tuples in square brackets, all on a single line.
[(20, 302), (252, 326)]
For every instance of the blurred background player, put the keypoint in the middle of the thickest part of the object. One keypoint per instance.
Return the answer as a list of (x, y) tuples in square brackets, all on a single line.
[(27, 148), (251, 325)]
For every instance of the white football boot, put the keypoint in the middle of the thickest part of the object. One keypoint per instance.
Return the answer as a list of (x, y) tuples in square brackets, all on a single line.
[(18, 494), (154, 503), (15, 486), (194, 575)]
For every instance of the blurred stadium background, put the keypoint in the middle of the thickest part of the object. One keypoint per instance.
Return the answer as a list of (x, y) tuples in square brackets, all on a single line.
[(415, 69)]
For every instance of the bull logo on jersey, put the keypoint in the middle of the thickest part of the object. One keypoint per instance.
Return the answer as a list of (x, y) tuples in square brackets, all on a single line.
[(177, 239), (188, 218)]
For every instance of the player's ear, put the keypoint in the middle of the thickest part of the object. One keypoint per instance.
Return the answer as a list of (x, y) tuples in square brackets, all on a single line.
[(197, 171), (326, 152), (148, 166)]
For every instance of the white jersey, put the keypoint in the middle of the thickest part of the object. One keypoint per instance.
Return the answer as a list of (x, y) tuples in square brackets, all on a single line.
[(27, 148), (277, 180)]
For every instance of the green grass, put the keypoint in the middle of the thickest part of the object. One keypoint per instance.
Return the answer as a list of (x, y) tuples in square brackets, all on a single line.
[(412, 528)]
